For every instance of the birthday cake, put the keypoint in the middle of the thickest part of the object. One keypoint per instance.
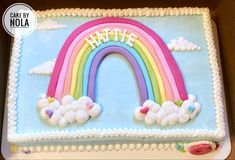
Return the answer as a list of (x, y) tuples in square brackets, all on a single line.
[(95, 79)]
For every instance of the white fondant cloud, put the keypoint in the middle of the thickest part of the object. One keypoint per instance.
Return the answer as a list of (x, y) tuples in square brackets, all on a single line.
[(182, 44), (49, 24), (68, 110), (43, 69), (168, 113)]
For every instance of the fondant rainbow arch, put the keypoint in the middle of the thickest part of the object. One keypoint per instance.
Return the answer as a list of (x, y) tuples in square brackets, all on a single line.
[(158, 75)]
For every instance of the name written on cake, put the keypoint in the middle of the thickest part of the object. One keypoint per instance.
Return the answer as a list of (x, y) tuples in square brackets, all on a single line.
[(105, 35)]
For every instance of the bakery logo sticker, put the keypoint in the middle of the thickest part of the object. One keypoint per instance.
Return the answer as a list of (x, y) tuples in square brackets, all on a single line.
[(19, 20)]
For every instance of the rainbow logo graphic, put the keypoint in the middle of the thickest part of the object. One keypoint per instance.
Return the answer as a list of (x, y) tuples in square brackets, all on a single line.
[(158, 75)]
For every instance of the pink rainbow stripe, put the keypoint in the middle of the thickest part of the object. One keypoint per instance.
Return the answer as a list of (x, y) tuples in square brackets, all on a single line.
[(145, 38), (171, 63)]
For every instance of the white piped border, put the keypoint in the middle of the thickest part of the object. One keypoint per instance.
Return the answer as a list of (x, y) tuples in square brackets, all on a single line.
[(12, 86), (130, 12), (217, 134), (96, 148)]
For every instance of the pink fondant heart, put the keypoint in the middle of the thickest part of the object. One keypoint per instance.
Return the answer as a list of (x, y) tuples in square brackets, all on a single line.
[(144, 110), (200, 149), (89, 105)]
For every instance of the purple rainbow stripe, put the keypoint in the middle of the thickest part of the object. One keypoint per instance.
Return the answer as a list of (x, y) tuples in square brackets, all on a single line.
[(135, 66)]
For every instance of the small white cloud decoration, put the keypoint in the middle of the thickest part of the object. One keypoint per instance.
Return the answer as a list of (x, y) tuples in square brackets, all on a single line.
[(182, 44), (44, 69), (49, 24)]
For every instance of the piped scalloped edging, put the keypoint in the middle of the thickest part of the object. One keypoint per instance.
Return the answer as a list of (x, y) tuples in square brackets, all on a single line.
[(168, 113), (216, 79), (68, 110), (96, 148), (217, 134), (12, 86), (129, 12), (111, 133), (196, 148)]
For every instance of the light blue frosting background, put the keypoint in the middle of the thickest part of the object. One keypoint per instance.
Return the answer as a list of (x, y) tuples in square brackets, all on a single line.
[(117, 90)]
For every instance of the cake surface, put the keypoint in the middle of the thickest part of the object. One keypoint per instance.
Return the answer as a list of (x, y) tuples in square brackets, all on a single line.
[(143, 75)]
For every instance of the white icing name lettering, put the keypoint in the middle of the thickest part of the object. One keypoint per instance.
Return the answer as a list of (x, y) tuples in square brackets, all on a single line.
[(123, 36), (93, 42), (131, 39), (106, 30), (102, 37), (116, 31)]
